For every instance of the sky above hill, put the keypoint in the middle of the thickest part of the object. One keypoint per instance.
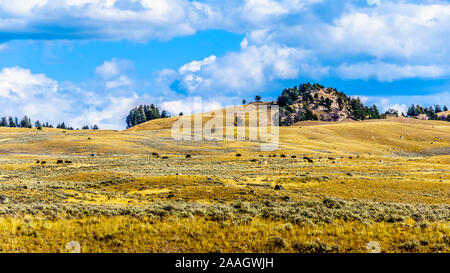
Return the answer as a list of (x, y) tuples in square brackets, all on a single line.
[(91, 61)]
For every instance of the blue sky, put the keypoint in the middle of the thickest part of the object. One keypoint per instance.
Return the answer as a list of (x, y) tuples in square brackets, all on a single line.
[(90, 62)]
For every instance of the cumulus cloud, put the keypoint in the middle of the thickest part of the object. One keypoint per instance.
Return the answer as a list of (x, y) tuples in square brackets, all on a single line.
[(25, 93), (385, 72), (18, 84), (195, 66), (113, 67), (248, 70), (186, 105), (119, 82)]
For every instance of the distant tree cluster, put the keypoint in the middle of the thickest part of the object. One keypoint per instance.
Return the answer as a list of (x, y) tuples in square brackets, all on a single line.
[(25, 122), (144, 113), (431, 111)]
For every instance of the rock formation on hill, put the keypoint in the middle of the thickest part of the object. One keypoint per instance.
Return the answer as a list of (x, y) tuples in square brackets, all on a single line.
[(315, 102)]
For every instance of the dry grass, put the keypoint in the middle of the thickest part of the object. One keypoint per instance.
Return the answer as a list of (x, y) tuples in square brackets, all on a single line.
[(386, 181)]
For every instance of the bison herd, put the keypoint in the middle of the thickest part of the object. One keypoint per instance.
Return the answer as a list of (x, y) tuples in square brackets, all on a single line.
[(306, 158), (59, 161)]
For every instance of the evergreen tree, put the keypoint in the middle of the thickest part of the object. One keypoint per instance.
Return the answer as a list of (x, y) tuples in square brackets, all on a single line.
[(445, 108), (143, 113), (412, 112), (85, 127), (258, 98), (25, 122), (95, 127), (61, 126), (11, 122), (4, 122), (164, 114), (244, 101), (38, 125)]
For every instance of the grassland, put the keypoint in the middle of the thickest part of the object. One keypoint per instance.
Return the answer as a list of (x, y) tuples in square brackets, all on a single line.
[(386, 181)]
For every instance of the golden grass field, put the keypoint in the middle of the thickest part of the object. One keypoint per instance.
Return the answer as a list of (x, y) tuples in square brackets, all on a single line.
[(386, 181)]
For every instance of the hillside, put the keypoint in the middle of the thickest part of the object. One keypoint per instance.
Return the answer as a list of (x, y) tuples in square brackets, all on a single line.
[(444, 114), (331, 187)]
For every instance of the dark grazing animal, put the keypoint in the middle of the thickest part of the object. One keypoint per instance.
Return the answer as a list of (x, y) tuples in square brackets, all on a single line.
[(164, 157), (254, 160), (238, 155), (37, 162), (155, 154), (59, 161), (283, 156), (308, 159), (68, 161), (188, 156), (43, 162), (293, 156)]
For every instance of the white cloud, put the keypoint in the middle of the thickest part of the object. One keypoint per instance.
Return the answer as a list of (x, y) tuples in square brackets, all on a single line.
[(108, 69), (119, 82), (113, 67), (385, 72), (111, 117), (396, 30), (18, 84), (195, 66), (41, 98), (248, 70), (15, 7), (186, 106)]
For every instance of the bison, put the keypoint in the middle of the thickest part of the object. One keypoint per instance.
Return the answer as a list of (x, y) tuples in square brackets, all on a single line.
[(68, 161), (37, 162), (188, 156), (238, 155), (308, 159), (59, 161), (283, 156), (43, 162)]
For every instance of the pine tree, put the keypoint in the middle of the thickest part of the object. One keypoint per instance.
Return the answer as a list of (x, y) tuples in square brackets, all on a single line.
[(445, 108), (11, 122), (25, 122), (164, 114), (4, 122), (38, 125)]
